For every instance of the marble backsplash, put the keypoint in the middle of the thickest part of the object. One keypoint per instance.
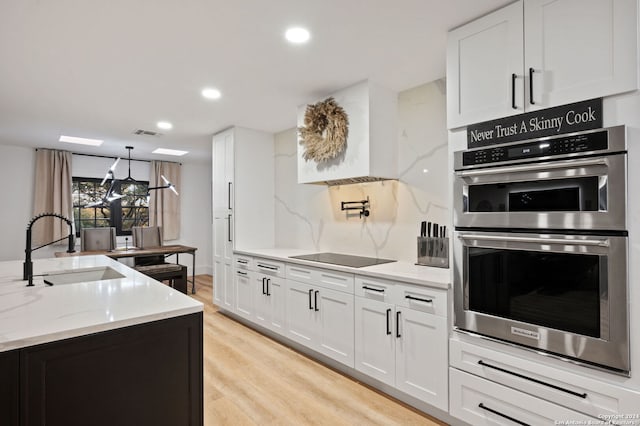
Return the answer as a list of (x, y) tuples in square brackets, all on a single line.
[(309, 216)]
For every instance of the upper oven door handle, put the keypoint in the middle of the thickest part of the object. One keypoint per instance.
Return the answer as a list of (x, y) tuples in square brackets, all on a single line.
[(535, 167), (599, 243)]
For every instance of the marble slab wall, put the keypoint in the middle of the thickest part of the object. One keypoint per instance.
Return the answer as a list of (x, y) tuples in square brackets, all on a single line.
[(309, 216)]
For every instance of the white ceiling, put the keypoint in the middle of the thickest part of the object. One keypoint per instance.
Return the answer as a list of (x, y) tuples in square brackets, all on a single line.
[(100, 69)]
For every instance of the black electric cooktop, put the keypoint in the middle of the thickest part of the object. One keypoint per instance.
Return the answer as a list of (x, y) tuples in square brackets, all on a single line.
[(343, 259)]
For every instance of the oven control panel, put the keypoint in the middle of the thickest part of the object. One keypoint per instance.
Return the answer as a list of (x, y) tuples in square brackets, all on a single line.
[(570, 144)]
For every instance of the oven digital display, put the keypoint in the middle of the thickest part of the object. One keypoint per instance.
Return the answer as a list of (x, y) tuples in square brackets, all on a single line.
[(588, 142)]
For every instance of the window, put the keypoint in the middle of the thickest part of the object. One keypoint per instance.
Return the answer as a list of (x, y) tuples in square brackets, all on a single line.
[(130, 210)]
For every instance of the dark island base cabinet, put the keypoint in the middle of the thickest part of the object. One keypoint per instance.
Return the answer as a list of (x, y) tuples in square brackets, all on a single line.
[(9, 379), (149, 374)]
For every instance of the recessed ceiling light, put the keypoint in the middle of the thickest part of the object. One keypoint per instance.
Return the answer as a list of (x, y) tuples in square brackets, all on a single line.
[(297, 35), (211, 93), (81, 141), (166, 151), (164, 125)]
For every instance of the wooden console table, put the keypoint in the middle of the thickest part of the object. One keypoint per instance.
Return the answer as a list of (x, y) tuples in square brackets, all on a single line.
[(146, 252)]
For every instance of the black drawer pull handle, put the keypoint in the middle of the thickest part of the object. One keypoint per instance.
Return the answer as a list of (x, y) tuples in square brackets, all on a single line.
[(263, 290), (531, 379), (244, 262), (388, 318), (316, 301), (504, 416), (379, 290), (273, 268), (418, 299), (513, 91), (268, 294), (229, 224), (398, 324), (531, 86), (244, 274), (310, 301)]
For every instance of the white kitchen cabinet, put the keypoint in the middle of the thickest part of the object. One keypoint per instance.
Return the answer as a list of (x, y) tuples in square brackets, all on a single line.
[(321, 319), (375, 342), (334, 318), (579, 49), (244, 293), (401, 341), (570, 387), (223, 285), (421, 356), (481, 402), (269, 295), (301, 318), (537, 54), (482, 58), (243, 203)]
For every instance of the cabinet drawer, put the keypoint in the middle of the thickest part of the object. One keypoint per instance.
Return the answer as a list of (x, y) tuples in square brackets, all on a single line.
[(481, 402), (341, 281), (243, 262), (575, 391), (373, 288), (425, 299), (269, 267)]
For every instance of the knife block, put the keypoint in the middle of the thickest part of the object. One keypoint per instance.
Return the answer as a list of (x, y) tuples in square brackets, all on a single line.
[(433, 252)]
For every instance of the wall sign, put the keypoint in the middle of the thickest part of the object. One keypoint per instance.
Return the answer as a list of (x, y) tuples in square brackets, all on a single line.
[(569, 118)]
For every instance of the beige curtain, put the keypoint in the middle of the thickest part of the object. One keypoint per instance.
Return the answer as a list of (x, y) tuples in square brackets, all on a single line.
[(164, 204), (52, 194)]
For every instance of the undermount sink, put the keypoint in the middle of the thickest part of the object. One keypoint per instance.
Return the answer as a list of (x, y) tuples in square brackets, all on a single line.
[(81, 275)]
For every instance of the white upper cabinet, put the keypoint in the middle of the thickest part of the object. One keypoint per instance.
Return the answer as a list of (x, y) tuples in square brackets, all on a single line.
[(482, 59), (537, 54), (579, 49)]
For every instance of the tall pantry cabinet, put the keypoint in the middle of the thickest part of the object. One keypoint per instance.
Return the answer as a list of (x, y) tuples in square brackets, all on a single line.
[(243, 203)]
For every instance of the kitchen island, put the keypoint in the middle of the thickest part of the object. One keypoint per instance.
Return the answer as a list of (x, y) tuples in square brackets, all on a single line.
[(125, 350)]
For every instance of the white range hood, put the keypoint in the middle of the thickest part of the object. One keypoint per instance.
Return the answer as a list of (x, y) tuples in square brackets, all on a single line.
[(371, 151)]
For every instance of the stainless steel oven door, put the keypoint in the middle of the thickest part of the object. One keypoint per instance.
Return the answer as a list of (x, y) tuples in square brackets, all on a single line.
[(585, 193), (564, 294)]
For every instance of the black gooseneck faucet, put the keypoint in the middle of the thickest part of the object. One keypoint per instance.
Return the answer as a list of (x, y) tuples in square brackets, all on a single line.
[(27, 268)]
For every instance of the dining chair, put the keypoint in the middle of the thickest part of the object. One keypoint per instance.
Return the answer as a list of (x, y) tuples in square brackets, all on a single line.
[(146, 236), (97, 239)]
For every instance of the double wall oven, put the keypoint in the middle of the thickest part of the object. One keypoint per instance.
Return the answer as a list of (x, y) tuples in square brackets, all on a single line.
[(540, 246)]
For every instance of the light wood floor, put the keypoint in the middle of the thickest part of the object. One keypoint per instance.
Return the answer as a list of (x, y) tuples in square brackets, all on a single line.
[(250, 379)]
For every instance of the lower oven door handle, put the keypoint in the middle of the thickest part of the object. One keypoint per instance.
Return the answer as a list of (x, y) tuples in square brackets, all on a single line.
[(599, 243), (534, 167)]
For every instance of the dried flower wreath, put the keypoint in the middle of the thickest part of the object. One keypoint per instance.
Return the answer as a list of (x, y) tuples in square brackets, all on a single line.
[(325, 130)]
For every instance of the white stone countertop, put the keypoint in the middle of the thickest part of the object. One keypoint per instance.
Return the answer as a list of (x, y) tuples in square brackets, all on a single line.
[(397, 271), (42, 313)]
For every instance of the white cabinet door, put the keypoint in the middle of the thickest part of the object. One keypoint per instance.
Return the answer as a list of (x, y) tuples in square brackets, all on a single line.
[(276, 294), (223, 171), (301, 317), (244, 290), (222, 241), (482, 58), (375, 339), (219, 277), (262, 314), (422, 356), (579, 49), (334, 316)]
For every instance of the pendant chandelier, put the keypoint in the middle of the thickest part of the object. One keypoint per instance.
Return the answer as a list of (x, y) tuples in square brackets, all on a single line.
[(111, 195)]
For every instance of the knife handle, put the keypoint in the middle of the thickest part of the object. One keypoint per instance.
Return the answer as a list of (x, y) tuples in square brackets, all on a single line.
[(428, 229), (423, 229)]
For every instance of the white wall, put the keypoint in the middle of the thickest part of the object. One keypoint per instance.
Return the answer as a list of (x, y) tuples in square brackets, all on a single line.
[(16, 175), (17, 166), (309, 216)]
